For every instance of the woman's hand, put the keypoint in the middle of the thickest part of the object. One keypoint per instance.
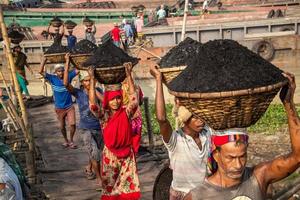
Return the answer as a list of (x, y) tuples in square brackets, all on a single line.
[(128, 68)]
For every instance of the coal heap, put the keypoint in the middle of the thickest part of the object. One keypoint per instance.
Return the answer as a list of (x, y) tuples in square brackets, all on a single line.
[(225, 65), (83, 47), (179, 55), (108, 55), (57, 47), (15, 34)]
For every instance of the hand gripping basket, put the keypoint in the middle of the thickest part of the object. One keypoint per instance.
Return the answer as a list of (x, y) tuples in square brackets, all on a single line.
[(170, 73), (56, 57), (78, 59), (232, 109)]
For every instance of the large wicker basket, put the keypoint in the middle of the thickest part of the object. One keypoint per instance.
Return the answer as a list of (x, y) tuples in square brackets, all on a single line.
[(170, 73), (78, 59), (233, 109), (55, 57), (110, 75)]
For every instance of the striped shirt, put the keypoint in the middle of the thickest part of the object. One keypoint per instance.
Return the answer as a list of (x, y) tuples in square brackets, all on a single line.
[(62, 97), (186, 160)]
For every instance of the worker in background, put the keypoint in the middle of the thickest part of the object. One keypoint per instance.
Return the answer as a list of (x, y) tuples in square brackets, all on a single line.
[(161, 13), (90, 32), (71, 39), (205, 6), (116, 35), (128, 34)]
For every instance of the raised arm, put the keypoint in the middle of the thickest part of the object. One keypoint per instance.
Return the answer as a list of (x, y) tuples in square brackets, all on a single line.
[(160, 107), (94, 29), (28, 67), (42, 68), (62, 29), (283, 166), (94, 106), (133, 100), (67, 83)]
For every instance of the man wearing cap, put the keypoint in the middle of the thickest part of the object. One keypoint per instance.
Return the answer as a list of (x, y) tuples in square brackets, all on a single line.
[(231, 178), (62, 100), (21, 61), (188, 146), (89, 124), (115, 34)]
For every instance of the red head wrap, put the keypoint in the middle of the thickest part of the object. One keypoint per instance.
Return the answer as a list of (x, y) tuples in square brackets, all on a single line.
[(109, 95)]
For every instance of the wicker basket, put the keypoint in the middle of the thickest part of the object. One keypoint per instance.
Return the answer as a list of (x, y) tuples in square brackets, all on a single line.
[(110, 75), (56, 57), (233, 109), (78, 59), (170, 73), (56, 23)]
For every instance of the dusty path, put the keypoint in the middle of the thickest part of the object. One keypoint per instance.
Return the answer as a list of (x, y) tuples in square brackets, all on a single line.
[(63, 177)]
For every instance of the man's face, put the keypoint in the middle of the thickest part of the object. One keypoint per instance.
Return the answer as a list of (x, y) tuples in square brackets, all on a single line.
[(196, 124), (60, 72), (232, 159), (17, 49), (86, 83), (89, 29)]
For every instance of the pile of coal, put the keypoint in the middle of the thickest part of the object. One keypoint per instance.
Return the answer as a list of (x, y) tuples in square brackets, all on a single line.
[(108, 55), (84, 47), (180, 54), (57, 47), (70, 24), (225, 65), (15, 34)]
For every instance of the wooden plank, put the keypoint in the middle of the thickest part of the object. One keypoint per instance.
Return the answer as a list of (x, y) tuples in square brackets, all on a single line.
[(270, 34)]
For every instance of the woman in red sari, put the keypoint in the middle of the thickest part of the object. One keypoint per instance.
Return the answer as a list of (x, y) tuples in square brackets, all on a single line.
[(119, 171)]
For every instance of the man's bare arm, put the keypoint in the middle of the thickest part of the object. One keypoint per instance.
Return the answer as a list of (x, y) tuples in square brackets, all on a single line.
[(160, 107), (283, 166), (67, 84)]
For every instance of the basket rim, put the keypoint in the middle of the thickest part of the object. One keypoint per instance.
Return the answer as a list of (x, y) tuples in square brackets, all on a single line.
[(171, 69), (233, 93), (55, 54), (109, 68), (82, 54)]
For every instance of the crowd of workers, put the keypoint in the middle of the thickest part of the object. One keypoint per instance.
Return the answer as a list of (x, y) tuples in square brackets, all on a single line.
[(206, 164)]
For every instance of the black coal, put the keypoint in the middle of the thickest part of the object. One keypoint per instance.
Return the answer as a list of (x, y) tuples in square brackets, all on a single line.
[(84, 46), (108, 55), (179, 55), (225, 65)]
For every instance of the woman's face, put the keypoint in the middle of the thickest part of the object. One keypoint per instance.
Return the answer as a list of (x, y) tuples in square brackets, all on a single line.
[(115, 103)]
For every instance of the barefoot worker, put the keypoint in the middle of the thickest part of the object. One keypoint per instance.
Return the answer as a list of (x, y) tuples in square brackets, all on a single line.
[(62, 100), (119, 170), (89, 123), (232, 179), (188, 146)]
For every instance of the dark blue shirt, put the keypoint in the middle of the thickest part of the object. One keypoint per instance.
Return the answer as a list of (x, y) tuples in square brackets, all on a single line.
[(87, 118), (71, 39), (62, 97)]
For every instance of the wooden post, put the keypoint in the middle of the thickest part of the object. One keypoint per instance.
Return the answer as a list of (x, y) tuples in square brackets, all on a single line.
[(13, 68), (148, 122), (5, 84), (30, 158), (186, 9)]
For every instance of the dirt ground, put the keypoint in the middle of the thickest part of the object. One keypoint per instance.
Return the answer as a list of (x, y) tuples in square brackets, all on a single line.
[(63, 172)]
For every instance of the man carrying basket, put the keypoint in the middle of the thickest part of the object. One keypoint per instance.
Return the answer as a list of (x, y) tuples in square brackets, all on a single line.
[(188, 146)]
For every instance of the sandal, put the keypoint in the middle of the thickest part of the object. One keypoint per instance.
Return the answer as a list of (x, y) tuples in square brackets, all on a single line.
[(72, 145), (65, 145), (90, 175)]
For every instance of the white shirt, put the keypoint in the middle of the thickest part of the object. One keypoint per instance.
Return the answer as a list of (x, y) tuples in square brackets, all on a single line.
[(205, 5), (161, 13), (13, 190), (188, 163)]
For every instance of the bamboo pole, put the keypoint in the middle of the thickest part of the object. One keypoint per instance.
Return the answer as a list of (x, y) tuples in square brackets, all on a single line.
[(30, 155), (186, 9), (9, 115), (5, 85), (13, 68)]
